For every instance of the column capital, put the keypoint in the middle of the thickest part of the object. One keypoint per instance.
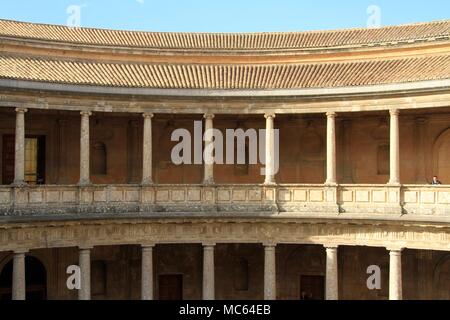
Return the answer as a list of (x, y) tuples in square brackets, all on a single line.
[(269, 245), (85, 248), (148, 246), (208, 116), (331, 247), (20, 251), (21, 110), (394, 250), (331, 114), (269, 115), (86, 113), (208, 245), (394, 112), (147, 115)]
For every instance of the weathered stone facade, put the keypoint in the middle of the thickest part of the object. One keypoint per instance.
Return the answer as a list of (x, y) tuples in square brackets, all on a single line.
[(363, 128)]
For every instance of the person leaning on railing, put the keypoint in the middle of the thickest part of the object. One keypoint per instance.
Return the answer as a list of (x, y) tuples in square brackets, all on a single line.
[(435, 181)]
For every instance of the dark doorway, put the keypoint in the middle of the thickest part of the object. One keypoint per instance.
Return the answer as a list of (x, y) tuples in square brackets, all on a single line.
[(171, 287), (35, 279), (34, 159), (312, 287)]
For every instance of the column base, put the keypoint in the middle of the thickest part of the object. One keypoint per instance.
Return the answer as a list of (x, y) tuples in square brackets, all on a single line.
[(208, 182), (394, 184), (147, 182), (19, 184), (84, 183), (270, 183)]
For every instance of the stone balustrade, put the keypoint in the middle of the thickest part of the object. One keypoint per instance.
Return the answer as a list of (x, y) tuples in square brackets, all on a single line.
[(233, 199)]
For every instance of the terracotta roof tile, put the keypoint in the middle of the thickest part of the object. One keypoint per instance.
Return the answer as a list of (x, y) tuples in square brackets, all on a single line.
[(207, 76), (228, 41)]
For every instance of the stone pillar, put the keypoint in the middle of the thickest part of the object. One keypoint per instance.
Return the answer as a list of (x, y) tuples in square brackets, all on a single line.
[(147, 150), (208, 272), (84, 148), (331, 149), (18, 279), (147, 273), (331, 277), (270, 149), (394, 149), (85, 268), (395, 274), (270, 285), (19, 160), (208, 176)]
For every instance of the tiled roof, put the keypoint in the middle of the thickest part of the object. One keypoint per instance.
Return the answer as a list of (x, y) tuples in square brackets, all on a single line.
[(228, 41), (210, 76)]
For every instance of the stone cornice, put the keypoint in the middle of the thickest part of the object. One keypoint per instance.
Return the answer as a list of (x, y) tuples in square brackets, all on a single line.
[(120, 232), (428, 94)]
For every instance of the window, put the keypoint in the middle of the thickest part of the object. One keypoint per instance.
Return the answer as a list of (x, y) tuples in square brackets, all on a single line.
[(31, 160), (98, 159)]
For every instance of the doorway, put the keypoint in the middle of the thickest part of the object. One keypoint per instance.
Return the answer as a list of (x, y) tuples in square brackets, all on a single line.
[(35, 280), (34, 159)]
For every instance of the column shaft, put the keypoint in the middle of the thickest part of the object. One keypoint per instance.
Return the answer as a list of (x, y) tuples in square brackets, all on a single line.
[(18, 281), (147, 273), (85, 268), (395, 274), (208, 272), (19, 160), (331, 148), (394, 148), (208, 176), (331, 278), (270, 149), (147, 150), (84, 148), (270, 287)]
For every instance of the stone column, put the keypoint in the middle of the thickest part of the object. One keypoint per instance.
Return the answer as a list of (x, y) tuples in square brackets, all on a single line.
[(147, 273), (147, 150), (208, 176), (84, 148), (331, 277), (270, 285), (331, 149), (208, 272), (394, 149), (395, 274), (85, 268), (270, 149), (18, 280), (19, 160)]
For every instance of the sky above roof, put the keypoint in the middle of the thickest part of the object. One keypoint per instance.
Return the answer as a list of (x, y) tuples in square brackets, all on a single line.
[(225, 15)]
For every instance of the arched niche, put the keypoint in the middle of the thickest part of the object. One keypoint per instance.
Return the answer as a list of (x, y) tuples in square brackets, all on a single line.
[(441, 157)]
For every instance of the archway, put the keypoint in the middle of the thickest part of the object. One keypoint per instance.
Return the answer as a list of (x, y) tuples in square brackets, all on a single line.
[(35, 279), (442, 279)]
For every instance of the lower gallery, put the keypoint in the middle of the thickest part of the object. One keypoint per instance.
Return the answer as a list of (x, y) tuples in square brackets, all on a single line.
[(93, 205)]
